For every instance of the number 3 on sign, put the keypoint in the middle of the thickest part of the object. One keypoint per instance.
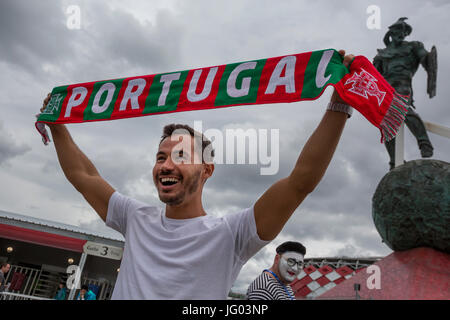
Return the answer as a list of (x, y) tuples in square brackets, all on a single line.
[(105, 251)]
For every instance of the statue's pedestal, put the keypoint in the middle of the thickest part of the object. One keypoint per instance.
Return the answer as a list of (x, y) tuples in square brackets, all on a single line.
[(421, 274)]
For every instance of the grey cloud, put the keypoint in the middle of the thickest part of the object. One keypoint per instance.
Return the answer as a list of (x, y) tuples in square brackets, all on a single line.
[(98, 225), (120, 169), (109, 44), (9, 147), (117, 35), (32, 35)]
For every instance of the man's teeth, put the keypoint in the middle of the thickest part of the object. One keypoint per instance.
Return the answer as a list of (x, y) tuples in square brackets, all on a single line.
[(164, 180)]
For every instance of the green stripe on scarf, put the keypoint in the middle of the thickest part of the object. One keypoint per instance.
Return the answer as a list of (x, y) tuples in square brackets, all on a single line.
[(289, 78)]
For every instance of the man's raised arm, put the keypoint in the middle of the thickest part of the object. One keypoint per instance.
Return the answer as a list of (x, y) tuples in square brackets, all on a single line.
[(279, 202), (79, 170)]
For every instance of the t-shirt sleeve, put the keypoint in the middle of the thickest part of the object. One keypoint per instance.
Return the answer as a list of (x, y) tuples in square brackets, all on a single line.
[(243, 227), (120, 209)]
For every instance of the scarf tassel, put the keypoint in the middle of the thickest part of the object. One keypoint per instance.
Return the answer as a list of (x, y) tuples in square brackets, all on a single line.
[(394, 117)]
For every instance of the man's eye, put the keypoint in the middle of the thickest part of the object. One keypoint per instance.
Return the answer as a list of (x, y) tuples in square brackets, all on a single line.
[(182, 155)]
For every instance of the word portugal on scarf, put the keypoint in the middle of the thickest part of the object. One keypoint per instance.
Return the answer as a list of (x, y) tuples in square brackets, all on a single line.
[(289, 78)]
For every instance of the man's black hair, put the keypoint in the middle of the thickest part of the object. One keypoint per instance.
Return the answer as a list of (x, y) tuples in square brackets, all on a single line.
[(85, 287), (291, 246)]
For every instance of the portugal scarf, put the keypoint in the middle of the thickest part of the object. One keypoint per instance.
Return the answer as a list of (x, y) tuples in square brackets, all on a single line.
[(289, 78)]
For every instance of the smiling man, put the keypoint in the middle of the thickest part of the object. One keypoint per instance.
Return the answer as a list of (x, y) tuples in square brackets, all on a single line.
[(178, 251), (273, 283)]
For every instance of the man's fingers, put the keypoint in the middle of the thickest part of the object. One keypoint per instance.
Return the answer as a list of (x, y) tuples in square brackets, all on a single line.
[(348, 59), (46, 100)]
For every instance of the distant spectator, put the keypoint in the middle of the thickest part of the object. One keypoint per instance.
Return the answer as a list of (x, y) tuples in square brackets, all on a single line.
[(62, 291), (86, 294), (94, 288), (3, 271)]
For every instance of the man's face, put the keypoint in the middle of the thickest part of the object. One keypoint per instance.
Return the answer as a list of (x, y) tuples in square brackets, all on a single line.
[(83, 292), (290, 264), (177, 173), (6, 268)]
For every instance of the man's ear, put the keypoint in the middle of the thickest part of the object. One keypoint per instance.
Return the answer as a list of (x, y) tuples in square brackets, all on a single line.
[(277, 259), (208, 169)]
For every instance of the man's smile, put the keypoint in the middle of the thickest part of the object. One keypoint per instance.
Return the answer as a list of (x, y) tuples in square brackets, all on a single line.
[(167, 183)]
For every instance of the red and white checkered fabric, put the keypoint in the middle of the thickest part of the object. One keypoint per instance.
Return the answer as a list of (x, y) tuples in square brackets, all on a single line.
[(313, 282)]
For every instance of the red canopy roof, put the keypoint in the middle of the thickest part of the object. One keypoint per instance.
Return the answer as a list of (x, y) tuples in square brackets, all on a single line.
[(41, 238)]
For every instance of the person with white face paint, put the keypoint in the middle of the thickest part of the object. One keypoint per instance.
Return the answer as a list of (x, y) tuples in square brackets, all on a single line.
[(273, 283)]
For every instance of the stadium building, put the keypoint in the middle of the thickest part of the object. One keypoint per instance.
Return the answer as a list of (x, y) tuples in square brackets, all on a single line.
[(44, 253)]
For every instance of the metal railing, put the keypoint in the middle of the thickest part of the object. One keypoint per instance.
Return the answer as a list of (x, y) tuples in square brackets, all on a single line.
[(18, 296), (399, 141), (33, 285), (31, 278)]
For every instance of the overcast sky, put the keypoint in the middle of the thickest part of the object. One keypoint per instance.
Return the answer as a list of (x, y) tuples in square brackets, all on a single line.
[(116, 39)]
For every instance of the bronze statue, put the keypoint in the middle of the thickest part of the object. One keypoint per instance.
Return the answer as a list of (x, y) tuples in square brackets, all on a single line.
[(398, 63)]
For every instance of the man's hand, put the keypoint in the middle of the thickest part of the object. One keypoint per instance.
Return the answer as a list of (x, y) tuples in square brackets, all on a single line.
[(46, 100), (44, 105), (347, 61)]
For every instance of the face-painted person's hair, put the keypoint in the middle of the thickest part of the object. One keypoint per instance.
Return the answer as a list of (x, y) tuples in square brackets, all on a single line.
[(291, 246)]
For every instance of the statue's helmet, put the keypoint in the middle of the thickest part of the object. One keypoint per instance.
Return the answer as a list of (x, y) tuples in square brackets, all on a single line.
[(401, 24)]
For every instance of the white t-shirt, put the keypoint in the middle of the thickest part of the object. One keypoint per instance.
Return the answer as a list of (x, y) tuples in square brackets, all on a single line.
[(185, 259)]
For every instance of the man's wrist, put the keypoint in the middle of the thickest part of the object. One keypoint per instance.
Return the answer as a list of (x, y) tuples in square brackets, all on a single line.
[(340, 107)]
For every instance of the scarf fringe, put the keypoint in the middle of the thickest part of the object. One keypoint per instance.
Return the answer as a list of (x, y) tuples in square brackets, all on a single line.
[(40, 126), (394, 117)]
